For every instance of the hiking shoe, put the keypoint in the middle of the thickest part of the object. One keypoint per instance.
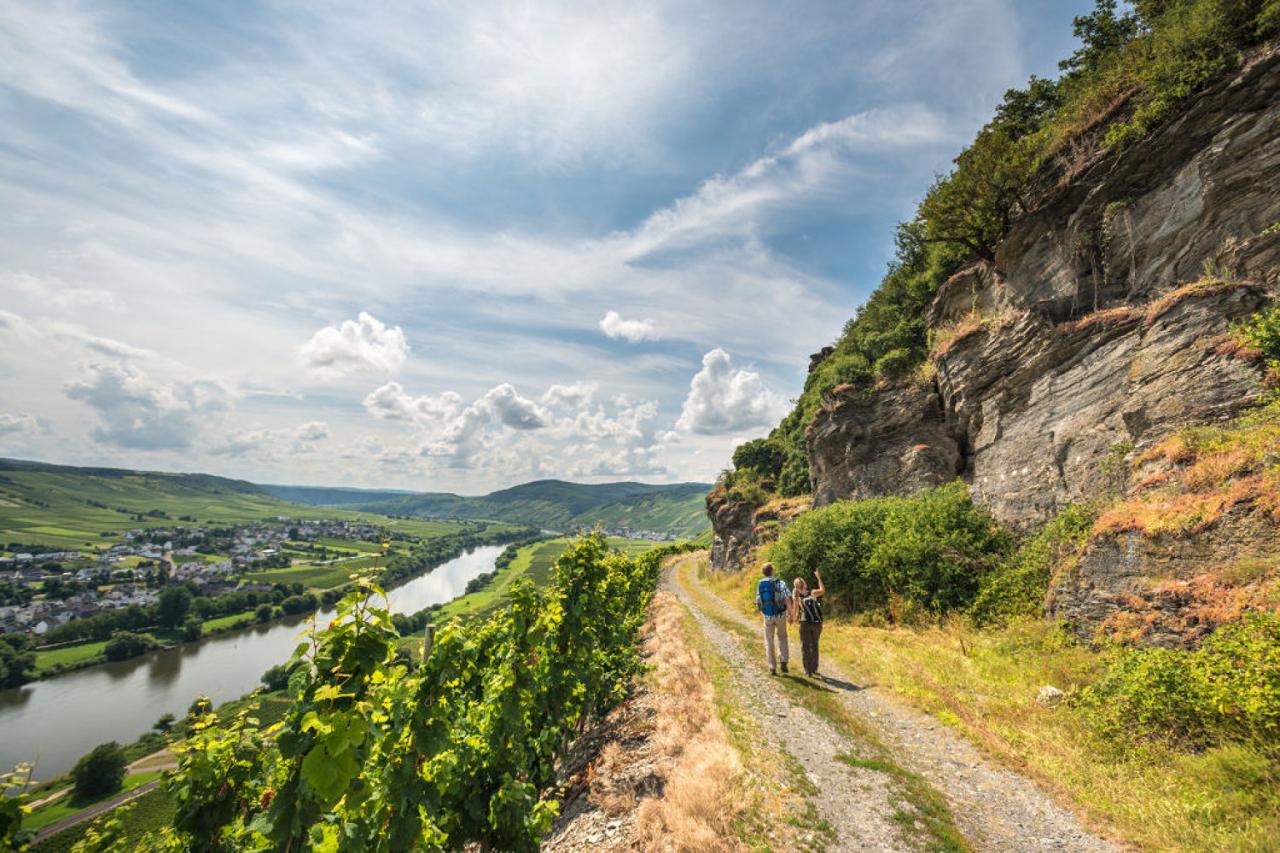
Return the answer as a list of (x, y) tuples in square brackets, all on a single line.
[(773, 670), (784, 667)]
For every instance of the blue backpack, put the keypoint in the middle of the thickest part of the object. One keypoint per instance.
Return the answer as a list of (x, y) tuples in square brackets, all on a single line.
[(772, 600)]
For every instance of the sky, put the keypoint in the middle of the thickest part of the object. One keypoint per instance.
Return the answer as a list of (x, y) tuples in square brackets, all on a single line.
[(459, 246)]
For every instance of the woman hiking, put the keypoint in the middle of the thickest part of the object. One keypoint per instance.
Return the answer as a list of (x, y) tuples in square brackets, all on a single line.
[(808, 611)]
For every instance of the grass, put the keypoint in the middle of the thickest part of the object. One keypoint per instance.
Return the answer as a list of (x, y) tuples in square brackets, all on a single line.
[(70, 804), (312, 576), (148, 813), (1188, 481), (698, 806), (67, 656), (983, 683)]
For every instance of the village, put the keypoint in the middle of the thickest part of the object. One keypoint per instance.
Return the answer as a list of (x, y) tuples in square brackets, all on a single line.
[(45, 589)]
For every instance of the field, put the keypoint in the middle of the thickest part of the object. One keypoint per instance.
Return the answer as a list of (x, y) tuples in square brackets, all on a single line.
[(85, 509), (313, 576)]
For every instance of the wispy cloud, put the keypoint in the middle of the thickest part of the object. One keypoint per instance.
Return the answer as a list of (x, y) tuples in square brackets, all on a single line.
[(286, 196)]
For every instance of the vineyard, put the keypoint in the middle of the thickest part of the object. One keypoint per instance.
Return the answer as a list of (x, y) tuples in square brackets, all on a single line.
[(376, 753)]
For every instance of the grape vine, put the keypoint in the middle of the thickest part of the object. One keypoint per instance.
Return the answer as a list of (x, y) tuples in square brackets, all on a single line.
[(379, 753)]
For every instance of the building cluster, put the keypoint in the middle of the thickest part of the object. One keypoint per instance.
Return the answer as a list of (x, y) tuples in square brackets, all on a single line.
[(39, 616), (209, 558)]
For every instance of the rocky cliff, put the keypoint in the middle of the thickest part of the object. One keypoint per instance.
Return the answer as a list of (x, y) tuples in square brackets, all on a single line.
[(1099, 329)]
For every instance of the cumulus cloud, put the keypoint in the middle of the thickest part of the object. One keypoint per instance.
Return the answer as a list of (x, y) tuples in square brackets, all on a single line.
[(628, 330), (724, 399), (17, 423), (142, 413), (363, 344), (274, 443), (574, 396), (473, 428), (391, 402)]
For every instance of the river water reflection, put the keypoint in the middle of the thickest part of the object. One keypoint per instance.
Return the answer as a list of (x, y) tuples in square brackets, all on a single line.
[(52, 723)]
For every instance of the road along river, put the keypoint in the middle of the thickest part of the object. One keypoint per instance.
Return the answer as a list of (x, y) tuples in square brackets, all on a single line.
[(52, 723)]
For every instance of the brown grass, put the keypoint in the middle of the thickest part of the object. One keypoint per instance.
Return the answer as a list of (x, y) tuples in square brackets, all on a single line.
[(1107, 318), (1177, 296), (1202, 473), (695, 811), (947, 336)]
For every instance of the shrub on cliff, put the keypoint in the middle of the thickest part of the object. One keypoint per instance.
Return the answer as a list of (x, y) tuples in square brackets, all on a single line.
[(930, 550), (1018, 586), (1227, 690)]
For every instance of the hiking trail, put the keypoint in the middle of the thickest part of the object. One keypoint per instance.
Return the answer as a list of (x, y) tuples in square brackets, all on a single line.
[(872, 773)]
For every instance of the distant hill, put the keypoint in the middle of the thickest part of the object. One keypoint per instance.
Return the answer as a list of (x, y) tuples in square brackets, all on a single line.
[(333, 496), (72, 507), (551, 504)]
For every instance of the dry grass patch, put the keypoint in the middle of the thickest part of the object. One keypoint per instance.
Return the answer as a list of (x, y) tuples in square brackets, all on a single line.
[(1201, 474), (947, 336), (696, 810)]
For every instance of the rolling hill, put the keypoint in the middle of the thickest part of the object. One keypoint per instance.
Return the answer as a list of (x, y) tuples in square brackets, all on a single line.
[(553, 504), (66, 507)]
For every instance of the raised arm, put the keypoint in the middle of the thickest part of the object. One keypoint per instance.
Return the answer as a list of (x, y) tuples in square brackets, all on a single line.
[(821, 590)]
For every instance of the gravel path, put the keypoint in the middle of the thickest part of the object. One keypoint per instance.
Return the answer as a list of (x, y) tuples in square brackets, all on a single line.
[(858, 803), (995, 808)]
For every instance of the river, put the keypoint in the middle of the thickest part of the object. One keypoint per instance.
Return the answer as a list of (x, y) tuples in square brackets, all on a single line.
[(52, 723)]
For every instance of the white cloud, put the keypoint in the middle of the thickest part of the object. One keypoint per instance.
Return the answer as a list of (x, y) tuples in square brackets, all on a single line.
[(274, 443), (723, 399), (356, 345), (17, 423), (816, 169), (142, 413), (569, 396), (391, 402), (629, 330), (58, 293)]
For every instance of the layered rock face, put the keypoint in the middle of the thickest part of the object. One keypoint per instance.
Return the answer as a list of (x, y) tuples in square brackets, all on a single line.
[(733, 526), (1099, 329), (740, 527)]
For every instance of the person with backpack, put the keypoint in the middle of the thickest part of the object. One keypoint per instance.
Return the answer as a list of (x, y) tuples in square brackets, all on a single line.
[(808, 612), (773, 600)]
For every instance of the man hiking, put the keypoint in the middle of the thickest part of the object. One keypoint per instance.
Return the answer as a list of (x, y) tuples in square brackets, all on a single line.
[(773, 600)]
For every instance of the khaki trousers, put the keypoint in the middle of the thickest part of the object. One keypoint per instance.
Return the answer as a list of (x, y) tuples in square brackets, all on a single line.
[(775, 625)]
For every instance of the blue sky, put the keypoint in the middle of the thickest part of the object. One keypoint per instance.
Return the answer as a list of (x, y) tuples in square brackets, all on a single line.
[(459, 246)]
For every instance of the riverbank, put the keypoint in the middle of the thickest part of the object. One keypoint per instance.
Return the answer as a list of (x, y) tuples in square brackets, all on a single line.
[(51, 723), (400, 566)]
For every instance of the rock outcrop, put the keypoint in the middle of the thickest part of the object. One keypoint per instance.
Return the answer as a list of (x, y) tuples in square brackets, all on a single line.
[(739, 527), (865, 443), (1100, 327), (733, 528)]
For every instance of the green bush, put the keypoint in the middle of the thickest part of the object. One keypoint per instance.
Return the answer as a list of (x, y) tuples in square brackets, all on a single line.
[(128, 644), (192, 628), (1262, 332), (101, 771), (929, 551), (745, 485), (762, 455), (1227, 690), (1018, 586)]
